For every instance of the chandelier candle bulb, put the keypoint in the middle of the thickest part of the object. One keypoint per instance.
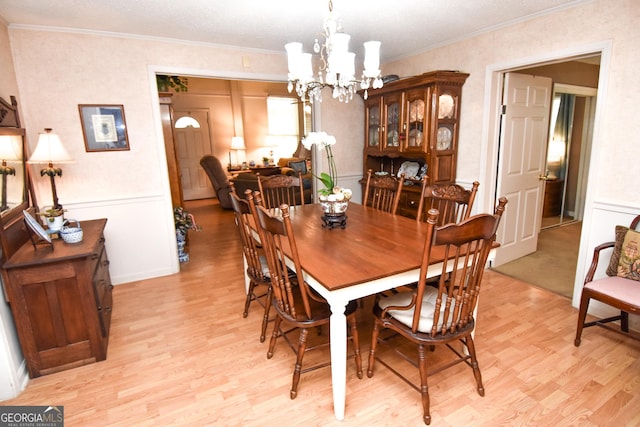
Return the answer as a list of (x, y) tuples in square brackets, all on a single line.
[(294, 50), (372, 58), (306, 69), (339, 43), (349, 69)]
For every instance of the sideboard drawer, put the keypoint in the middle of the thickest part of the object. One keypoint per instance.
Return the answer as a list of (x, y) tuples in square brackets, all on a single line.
[(409, 201)]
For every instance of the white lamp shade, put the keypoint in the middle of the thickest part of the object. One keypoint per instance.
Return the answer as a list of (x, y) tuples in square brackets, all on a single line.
[(8, 150), (556, 151), (237, 143), (50, 150)]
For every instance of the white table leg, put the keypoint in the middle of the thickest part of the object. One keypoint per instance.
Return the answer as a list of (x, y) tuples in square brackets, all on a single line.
[(338, 337)]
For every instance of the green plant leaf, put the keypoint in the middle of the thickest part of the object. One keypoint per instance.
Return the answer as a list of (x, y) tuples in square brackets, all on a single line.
[(326, 180)]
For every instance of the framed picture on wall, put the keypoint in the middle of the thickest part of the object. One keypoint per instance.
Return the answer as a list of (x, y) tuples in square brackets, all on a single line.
[(104, 127)]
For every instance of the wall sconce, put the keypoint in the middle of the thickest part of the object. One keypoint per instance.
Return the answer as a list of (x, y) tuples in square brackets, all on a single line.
[(50, 150), (237, 143), (7, 154)]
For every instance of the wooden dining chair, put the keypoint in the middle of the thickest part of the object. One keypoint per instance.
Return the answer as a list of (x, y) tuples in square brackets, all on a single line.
[(453, 201), (428, 316), (295, 303), (382, 192), (281, 189), (257, 270), (620, 288)]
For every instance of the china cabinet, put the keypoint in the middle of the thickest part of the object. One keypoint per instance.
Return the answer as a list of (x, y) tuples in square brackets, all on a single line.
[(415, 119)]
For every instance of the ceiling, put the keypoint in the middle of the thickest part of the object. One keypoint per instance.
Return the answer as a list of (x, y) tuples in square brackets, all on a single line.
[(404, 27)]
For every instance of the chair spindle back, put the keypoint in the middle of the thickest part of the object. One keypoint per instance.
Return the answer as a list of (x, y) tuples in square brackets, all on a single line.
[(382, 192), (453, 202), (281, 189), (277, 234), (466, 249)]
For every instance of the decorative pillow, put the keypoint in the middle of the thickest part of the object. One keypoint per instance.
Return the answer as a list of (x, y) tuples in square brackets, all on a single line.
[(629, 265), (299, 166), (621, 231)]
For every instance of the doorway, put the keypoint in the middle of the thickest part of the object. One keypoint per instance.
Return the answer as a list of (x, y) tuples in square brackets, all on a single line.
[(568, 154), (570, 196), (192, 138)]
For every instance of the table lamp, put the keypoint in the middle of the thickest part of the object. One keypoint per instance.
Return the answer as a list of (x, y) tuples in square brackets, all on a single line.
[(7, 154), (237, 143), (50, 150)]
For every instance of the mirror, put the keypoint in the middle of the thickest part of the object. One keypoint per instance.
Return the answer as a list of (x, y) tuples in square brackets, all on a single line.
[(13, 175)]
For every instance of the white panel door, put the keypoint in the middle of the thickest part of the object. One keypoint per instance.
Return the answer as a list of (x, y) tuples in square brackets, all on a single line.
[(191, 144), (523, 146)]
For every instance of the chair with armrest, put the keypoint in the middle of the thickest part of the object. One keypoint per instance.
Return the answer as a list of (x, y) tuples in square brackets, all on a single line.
[(257, 270), (218, 178), (281, 189), (440, 316), (382, 192), (293, 300), (453, 201), (620, 288)]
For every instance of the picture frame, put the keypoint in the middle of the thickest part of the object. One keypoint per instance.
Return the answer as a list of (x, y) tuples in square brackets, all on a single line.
[(104, 127)]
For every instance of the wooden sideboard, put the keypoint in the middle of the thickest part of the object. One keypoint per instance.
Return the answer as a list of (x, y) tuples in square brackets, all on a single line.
[(61, 300), (553, 197)]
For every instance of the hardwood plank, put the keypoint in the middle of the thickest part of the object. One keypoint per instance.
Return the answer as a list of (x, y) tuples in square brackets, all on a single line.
[(180, 353)]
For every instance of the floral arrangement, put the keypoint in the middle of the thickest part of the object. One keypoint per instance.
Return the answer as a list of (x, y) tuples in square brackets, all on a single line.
[(331, 190), (184, 221), (51, 213)]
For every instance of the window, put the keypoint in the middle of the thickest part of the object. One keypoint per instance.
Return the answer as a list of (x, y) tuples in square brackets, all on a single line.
[(186, 122), (283, 133)]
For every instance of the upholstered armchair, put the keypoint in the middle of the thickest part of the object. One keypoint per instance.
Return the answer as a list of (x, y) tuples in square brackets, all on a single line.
[(218, 178)]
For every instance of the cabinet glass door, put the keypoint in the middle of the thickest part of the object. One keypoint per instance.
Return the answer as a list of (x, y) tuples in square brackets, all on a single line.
[(445, 101), (392, 124), (373, 125), (416, 120), (447, 123)]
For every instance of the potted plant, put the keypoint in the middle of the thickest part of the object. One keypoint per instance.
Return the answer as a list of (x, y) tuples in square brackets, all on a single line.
[(183, 221), (53, 218), (333, 198), (177, 83)]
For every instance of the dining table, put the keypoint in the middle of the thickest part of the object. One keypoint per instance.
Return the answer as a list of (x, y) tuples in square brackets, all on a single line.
[(375, 251)]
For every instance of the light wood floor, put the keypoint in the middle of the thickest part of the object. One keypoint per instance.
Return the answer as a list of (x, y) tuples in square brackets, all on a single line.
[(180, 354)]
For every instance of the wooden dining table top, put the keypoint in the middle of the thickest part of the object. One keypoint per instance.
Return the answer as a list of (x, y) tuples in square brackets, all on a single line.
[(373, 245)]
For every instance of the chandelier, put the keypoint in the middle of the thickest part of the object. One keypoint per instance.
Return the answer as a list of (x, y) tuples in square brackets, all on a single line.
[(336, 65)]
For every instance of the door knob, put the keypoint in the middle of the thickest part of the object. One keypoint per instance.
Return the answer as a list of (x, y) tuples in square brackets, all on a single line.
[(543, 177)]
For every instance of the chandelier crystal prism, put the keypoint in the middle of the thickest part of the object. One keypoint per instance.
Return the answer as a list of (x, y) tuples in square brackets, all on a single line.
[(336, 65)]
